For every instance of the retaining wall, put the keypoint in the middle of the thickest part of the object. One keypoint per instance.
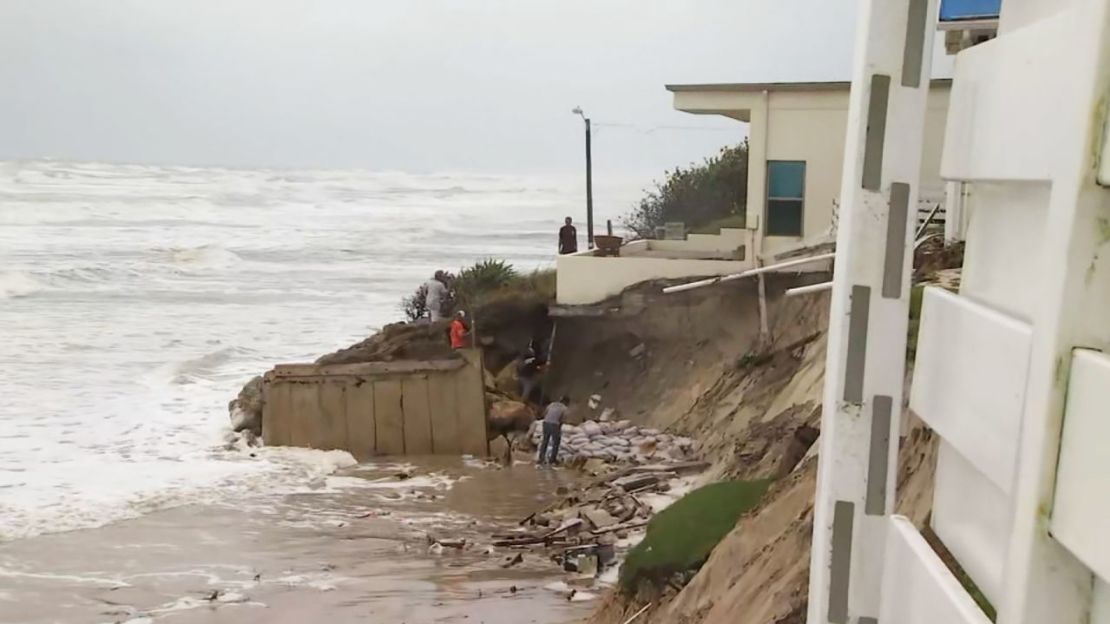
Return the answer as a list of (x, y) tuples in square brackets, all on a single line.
[(379, 408)]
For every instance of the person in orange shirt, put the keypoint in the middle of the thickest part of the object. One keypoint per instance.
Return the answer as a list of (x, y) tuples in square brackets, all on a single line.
[(459, 331)]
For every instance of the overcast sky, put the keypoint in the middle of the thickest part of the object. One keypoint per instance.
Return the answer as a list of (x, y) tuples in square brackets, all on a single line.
[(415, 85)]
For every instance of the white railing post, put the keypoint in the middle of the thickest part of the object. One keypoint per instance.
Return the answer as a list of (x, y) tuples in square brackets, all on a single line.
[(870, 303)]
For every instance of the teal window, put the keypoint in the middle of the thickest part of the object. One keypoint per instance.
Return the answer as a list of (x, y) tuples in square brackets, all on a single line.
[(786, 190)]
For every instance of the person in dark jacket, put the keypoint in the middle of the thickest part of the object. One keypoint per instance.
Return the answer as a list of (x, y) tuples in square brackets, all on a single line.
[(528, 374), (568, 238)]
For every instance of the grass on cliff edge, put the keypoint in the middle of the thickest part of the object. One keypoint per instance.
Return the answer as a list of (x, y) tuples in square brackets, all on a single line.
[(680, 537)]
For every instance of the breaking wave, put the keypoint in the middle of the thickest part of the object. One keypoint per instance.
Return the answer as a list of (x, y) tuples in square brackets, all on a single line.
[(204, 257), (15, 284)]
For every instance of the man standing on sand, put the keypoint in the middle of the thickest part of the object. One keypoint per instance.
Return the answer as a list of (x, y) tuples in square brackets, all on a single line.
[(459, 332), (568, 238), (553, 418), (436, 293)]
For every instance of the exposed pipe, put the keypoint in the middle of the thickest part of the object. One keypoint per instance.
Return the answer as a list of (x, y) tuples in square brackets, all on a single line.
[(756, 271), (805, 290)]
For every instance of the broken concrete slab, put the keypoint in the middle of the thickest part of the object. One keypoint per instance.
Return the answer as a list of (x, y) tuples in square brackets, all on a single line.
[(599, 518)]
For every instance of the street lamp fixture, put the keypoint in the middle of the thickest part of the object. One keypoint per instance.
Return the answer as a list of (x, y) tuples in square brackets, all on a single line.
[(589, 181)]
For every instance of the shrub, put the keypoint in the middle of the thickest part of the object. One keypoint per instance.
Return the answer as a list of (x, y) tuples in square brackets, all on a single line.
[(415, 306), (680, 538), (697, 195), (480, 279), (485, 282)]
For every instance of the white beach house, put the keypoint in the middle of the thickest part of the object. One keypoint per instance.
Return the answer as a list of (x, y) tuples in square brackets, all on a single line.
[(796, 137)]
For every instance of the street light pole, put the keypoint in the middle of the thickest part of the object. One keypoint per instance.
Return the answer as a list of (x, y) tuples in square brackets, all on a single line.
[(589, 182)]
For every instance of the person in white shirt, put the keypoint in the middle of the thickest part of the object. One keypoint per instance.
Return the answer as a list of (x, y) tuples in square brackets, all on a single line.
[(437, 292)]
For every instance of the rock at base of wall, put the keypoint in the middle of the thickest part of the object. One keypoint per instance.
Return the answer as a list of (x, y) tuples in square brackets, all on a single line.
[(245, 410)]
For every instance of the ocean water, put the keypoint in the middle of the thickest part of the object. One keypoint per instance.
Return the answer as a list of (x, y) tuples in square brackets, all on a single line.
[(135, 301)]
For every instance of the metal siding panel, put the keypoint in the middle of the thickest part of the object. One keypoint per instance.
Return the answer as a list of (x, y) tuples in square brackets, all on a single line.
[(471, 406), (444, 415), (878, 464), (333, 415), (276, 414), (360, 419), (418, 424), (841, 565), (875, 139), (304, 429), (857, 344), (912, 53), (894, 257), (389, 417)]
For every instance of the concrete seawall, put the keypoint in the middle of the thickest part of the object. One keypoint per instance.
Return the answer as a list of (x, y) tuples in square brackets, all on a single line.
[(410, 407)]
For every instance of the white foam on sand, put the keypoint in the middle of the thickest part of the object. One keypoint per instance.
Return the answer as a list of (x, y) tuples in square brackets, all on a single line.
[(140, 487)]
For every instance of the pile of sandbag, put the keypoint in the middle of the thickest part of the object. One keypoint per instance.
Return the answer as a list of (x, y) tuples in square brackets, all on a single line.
[(617, 442)]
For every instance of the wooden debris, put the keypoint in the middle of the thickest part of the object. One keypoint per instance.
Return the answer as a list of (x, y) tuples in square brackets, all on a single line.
[(636, 481), (590, 520), (637, 614)]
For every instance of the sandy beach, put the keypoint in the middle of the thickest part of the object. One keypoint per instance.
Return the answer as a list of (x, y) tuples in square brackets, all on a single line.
[(353, 550)]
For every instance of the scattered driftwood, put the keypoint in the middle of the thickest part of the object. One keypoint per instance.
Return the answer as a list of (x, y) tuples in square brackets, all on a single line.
[(637, 614), (519, 541), (636, 481), (566, 526), (588, 521), (628, 526)]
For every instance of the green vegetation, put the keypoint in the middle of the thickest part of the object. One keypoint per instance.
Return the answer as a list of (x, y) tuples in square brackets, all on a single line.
[(697, 195), (480, 279), (916, 296), (680, 538), (485, 282)]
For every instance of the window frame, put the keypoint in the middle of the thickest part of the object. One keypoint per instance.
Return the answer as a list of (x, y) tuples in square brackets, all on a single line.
[(767, 199)]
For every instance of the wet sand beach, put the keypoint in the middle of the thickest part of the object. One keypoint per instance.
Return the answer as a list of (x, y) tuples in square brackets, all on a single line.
[(352, 547)]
